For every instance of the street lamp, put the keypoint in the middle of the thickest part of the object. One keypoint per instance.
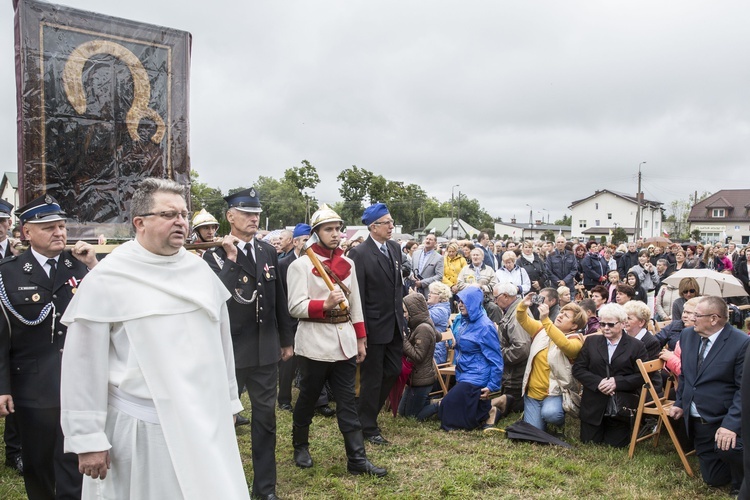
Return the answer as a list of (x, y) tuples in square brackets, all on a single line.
[(453, 207), (545, 210), (638, 197)]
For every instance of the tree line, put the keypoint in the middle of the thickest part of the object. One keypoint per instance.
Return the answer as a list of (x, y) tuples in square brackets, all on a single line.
[(288, 200)]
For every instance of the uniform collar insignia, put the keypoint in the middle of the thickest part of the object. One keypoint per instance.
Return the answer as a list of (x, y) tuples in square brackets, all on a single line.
[(27, 267), (67, 263)]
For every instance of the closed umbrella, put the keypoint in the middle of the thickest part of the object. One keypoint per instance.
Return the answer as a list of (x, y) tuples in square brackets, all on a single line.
[(711, 282), (524, 431)]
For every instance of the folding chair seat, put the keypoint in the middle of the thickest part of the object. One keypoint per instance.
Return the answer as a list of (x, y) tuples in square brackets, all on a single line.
[(651, 404)]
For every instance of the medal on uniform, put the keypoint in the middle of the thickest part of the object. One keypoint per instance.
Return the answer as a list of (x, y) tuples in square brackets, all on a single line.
[(73, 290), (68, 264), (244, 279), (27, 267), (35, 297)]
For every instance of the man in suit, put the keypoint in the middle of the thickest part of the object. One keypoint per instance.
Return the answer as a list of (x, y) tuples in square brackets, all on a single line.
[(260, 323), (708, 393), (10, 435), (428, 265), (37, 287), (378, 267), (486, 245)]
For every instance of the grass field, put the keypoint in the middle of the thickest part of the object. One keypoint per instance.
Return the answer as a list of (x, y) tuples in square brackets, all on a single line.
[(424, 462)]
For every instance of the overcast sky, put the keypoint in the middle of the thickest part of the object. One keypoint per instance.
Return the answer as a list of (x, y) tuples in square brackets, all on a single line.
[(518, 102)]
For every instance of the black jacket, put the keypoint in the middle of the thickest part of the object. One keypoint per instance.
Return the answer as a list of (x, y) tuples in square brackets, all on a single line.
[(30, 355), (261, 328), (590, 368)]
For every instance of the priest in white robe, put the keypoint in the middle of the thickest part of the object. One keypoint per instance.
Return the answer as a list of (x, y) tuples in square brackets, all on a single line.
[(148, 385)]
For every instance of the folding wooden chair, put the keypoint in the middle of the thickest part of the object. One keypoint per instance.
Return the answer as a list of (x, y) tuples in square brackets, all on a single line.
[(445, 371), (657, 406)]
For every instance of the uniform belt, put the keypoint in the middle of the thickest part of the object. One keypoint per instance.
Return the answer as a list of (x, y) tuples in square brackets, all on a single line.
[(330, 319)]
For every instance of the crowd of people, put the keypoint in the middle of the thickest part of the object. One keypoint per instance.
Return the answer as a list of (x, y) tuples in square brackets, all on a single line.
[(549, 330)]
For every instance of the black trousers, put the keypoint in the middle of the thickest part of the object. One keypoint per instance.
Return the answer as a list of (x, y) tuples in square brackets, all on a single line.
[(260, 382), (717, 467), (614, 432), (286, 379), (12, 438), (340, 375), (377, 374), (48, 473)]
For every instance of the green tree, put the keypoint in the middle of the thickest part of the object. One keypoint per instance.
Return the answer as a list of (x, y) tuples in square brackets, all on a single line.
[(548, 235), (695, 235), (354, 187), (283, 204), (567, 220), (303, 177), (679, 211), (204, 196), (619, 236)]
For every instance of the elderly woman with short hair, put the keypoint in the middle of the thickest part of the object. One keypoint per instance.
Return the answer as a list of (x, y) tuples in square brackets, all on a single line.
[(639, 316), (606, 364), (509, 272), (477, 273)]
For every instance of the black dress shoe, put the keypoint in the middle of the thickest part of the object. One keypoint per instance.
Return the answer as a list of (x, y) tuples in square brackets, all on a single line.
[(378, 439), (325, 410), (285, 406), (15, 463), (270, 496), (241, 421)]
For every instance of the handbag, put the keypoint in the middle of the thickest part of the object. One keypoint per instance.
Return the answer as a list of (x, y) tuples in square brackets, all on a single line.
[(621, 405)]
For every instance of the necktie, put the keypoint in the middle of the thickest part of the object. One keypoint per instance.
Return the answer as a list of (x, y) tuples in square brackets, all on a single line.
[(384, 249), (52, 269), (702, 352), (249, 253)]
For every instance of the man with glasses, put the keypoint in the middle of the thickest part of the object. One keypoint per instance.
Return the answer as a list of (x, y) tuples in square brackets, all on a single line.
[(378, 266), (148, 383), (708, 393), (262, 330), (37, 287)]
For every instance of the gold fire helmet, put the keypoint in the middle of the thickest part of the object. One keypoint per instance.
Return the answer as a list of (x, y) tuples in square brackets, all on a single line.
[(322, 215), (203, 218)]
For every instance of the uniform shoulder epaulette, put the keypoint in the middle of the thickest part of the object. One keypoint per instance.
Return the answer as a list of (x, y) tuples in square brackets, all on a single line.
[(10, 258)]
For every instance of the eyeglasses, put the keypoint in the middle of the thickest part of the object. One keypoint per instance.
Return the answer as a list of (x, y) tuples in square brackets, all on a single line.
[(384, 223), (704, 315), (609, 325), (167, 214), (692, 290)]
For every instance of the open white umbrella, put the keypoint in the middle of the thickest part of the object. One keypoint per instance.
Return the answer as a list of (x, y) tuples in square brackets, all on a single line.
[(711, 282)]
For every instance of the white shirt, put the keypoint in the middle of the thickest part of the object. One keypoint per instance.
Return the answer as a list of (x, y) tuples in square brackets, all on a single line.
[(43, 260)]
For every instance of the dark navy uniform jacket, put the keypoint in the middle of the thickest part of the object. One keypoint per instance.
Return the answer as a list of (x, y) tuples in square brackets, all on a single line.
[(261, 328), (30, 355)]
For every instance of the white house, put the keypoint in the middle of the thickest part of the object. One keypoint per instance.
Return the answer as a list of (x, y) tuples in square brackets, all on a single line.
[(606, 210), (9, 192), (520, 232), (441, 226)]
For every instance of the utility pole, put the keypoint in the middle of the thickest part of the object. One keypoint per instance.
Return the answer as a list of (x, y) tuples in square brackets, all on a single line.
[(638, 213)]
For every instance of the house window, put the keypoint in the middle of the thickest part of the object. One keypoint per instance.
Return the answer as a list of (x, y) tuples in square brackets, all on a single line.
[(609, 216), (596, 223), (718, 212), (645, 223), (582, 224), (656, 224), (597, 206)]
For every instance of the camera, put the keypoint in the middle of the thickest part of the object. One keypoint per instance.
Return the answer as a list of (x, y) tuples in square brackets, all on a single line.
[(537, 299)]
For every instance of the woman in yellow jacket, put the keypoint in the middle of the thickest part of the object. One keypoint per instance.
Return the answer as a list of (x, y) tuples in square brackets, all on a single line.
[(549, 374), (453, 262)]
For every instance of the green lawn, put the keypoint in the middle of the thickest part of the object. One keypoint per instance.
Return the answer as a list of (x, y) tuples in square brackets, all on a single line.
[(424, 462)]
